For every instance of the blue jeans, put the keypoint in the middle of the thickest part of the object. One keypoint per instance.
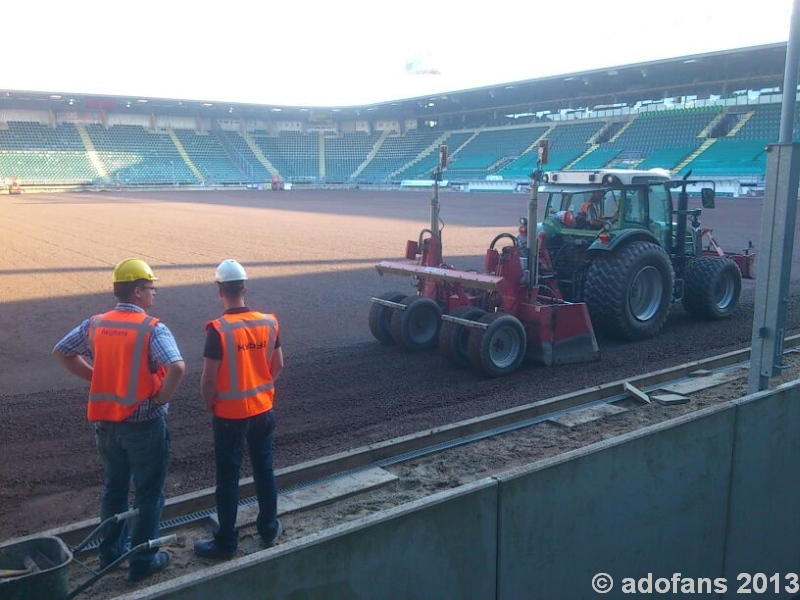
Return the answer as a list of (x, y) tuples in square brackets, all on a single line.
[(229, 438), (137, 452)]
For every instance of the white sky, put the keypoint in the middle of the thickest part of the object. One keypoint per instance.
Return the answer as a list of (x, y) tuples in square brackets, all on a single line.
[(353, 52)]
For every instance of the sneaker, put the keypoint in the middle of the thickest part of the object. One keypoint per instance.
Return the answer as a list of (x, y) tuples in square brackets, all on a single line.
[(272, 542), (210, 549), (157, 564)]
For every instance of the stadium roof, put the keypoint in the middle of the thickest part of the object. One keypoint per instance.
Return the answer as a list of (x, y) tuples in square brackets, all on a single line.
[(720, 73)]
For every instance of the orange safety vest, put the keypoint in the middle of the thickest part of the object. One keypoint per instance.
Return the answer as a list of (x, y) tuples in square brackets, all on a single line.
[(593, 213), (245, 386), (591, 209), (121, 376)]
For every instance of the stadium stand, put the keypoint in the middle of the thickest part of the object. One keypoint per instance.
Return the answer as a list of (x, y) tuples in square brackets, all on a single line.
[(208, 155), (35, 153), (710, 141), (108, 144), (488, 150), (246, 154), (409, 156), (134, 156), (678, 130), (294, 154), (345, 153)]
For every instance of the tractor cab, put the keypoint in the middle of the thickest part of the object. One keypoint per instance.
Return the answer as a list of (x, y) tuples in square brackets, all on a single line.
[(596, 207)]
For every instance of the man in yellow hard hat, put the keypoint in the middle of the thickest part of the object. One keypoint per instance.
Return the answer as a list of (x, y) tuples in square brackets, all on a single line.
[(241, 361), (133, 366)]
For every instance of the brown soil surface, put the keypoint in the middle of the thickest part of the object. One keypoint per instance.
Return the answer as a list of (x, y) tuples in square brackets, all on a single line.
[(311, 257), (428, 475)]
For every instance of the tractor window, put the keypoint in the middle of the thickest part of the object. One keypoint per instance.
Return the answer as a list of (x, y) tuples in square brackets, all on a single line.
[(564, 202), (659, 201), (572, 202), (610, 206), (634, 205), (659, 204)]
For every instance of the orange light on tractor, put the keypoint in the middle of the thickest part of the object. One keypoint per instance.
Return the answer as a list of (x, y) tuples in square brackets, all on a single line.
[(603, 238)]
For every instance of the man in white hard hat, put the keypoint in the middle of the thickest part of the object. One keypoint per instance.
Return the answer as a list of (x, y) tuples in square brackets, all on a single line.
[(241, 361), (133, 366)]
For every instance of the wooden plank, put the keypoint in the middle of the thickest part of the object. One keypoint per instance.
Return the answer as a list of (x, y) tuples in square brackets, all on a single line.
[(635, 392), (696, 384)]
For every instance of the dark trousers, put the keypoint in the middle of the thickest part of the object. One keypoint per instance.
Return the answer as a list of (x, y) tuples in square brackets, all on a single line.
[(229, 439), (137, 452)]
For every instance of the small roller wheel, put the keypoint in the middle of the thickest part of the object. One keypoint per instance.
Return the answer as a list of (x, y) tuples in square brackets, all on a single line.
[(380, 318), (417, 327)]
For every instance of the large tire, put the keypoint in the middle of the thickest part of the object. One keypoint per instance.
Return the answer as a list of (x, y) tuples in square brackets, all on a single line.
[(500, 349), (712, 287), (380, 318), (454, 338), (629, 291), (417, 327)]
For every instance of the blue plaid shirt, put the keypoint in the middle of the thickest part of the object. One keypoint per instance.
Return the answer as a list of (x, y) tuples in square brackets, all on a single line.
[(163, 351)]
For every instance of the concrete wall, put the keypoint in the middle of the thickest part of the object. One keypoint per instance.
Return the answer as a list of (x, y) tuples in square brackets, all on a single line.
[(652, 501), (708, 495)]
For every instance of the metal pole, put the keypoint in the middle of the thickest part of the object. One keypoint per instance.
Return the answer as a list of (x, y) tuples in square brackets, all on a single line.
[(790, 77), (532, 272), (777, 230), (444, 161), (531, 275)]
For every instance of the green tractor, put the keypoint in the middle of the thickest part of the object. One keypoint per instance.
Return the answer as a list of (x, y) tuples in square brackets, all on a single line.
[(625, 242)]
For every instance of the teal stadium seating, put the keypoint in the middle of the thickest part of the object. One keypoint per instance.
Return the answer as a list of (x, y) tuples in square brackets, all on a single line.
[(743, 155), (294, 154), (133, 155), (674, 133), (207, 153), (408, 156), (345, 153), (36, 153)]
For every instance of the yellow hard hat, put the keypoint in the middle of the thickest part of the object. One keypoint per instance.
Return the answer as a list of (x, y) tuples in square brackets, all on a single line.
[(132, 269)]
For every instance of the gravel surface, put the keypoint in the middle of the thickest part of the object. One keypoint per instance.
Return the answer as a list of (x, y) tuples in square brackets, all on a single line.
[(311, 257)]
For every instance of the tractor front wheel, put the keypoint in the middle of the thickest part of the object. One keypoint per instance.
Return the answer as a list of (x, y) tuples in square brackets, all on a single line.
[(499, 349), (380, 318), (416, 327), (454, 338), (712, 287)]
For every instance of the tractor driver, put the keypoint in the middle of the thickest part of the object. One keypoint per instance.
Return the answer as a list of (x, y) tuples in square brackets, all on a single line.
[(593, 208)]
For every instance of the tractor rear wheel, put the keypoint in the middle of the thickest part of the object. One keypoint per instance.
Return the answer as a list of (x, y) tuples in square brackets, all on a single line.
[(712, 287), (380, 318), (499, 349), (629, 291), (454, 338), (416, 327)]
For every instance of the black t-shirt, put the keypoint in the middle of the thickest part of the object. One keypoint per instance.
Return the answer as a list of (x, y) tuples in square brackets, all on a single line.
[(213, 347)]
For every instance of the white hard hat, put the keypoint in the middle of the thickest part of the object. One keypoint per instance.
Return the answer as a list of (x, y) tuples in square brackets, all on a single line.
[(230, 270)]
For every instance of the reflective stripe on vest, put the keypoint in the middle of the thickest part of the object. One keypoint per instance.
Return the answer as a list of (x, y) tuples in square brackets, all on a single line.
[(142, 330), (227, 329)]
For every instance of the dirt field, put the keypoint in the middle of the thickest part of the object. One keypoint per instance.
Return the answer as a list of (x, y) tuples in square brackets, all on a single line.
[(311, 257)]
